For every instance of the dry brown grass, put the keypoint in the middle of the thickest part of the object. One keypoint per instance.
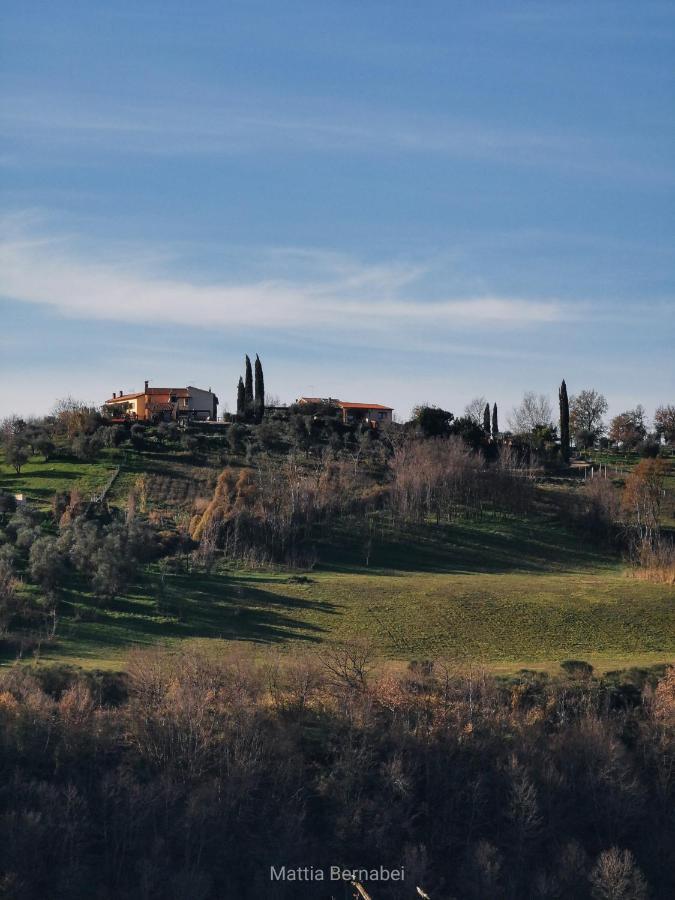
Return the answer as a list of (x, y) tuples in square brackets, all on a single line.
[(656, 574), (179, 486), (656, 562)]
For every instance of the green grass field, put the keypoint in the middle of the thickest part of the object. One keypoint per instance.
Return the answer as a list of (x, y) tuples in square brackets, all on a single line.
[(509, 595), (40, 480), (505, 592)]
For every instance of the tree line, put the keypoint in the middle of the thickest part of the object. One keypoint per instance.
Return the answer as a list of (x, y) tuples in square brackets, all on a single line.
[(580, 422), (191, 775)]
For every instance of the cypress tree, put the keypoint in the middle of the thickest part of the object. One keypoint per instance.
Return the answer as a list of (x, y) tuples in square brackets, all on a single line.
[(486, 419), (259, 390), (495, 423), (248, 390), (564, 421), (241, 399)]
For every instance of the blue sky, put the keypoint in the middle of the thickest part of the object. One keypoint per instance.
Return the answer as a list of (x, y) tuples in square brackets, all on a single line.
[(389, 202)]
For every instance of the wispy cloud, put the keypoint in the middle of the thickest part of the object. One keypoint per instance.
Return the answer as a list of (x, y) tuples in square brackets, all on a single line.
[(334, 293), (231, 125), (236, 125)]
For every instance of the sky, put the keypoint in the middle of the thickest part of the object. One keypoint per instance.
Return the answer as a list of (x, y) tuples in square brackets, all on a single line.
[(389, 202)]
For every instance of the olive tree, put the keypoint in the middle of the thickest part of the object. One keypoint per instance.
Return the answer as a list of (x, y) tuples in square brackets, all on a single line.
[(46, 563), (16, 453)]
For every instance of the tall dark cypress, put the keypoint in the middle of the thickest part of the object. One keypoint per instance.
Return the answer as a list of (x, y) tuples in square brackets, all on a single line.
[(564, 421), (248, 389), (486, 419), (495, 423), (259, 400), (241, 399)]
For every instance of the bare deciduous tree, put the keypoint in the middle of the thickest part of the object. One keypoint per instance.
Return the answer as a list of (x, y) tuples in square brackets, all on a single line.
[(534, 411), (643, 497), (474, 409), (348, 665), (615, 876), (664, 422)]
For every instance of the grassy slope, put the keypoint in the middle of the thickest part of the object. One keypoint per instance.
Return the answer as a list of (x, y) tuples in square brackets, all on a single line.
[(39, 480), (555, 602), (507, 592)]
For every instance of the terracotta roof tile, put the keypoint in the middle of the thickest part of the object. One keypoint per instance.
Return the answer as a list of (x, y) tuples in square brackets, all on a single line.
[(344, 405)]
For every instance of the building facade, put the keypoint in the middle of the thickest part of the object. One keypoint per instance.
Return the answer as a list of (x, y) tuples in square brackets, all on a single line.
[(373, 413), (155, 404)]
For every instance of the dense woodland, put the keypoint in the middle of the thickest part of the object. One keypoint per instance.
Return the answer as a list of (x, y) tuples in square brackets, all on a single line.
[(189, 777)]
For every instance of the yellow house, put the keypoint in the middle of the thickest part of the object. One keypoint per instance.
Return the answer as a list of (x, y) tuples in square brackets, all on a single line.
[(154, 404)]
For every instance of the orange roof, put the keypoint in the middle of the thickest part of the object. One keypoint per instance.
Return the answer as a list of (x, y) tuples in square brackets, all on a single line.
[(178, 392), (123, 397), (344, 405)]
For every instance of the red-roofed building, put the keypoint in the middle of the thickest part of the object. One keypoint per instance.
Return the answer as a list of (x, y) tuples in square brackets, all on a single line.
[(156, 404), (373, 413)]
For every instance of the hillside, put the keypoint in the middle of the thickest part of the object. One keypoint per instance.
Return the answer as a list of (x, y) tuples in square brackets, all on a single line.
[(508, 591)]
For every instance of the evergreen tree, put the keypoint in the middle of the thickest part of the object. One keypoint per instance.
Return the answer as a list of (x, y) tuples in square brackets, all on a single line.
[(564, 421), (259, 401), (486, 419), (495, 423), (241, 399), (248, 389)]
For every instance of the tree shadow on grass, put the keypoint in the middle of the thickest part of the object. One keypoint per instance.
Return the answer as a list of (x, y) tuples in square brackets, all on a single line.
[(206, 606), (25, 484), (41, 484), (52, 474), (158, 460), (459, 548)]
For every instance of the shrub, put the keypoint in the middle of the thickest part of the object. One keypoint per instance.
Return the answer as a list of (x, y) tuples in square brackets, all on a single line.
[(87, 446), (137, 436), (236, 435), (168, 431), (577, 668), (9, 602), (649, 449), (7, 502), (190, 443), (654, 560), (45, 447)]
